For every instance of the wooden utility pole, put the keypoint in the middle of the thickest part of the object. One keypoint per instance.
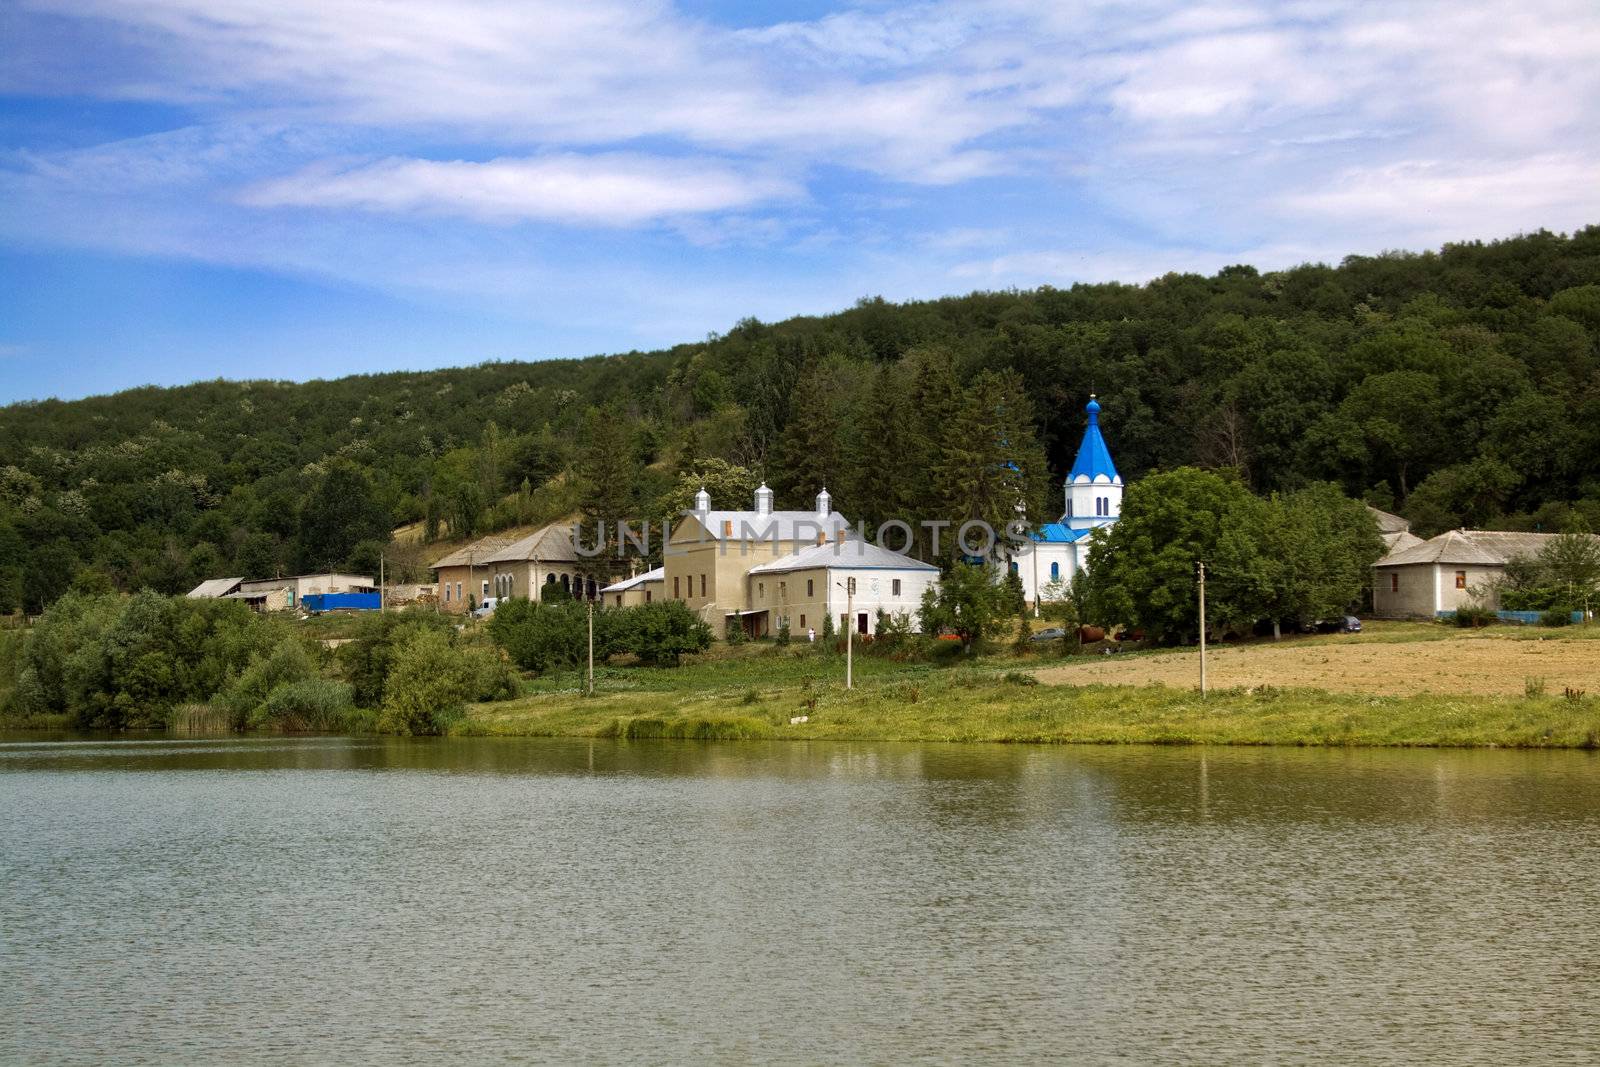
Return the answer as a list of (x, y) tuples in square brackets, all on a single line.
[(381, 601), (1202, 571), (591, 648)]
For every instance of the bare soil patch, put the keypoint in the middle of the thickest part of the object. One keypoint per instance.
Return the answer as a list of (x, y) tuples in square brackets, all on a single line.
[(1479, 664)]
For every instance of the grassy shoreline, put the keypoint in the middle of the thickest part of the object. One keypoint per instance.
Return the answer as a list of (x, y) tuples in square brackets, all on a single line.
[(994, 705)]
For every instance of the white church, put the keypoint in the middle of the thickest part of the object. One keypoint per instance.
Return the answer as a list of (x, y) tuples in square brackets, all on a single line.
[(1093, 494)]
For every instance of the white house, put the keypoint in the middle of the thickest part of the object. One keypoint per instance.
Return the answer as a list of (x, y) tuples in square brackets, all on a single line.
[(809, 585)]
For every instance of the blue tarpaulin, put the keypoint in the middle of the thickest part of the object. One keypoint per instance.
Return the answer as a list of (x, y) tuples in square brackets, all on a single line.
[(315, 602)]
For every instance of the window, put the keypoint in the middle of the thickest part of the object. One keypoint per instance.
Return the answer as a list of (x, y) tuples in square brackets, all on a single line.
[(702, 585), (727, 527), (1461, 579), (647, 596), (1069, 507), (458, 590), (802, 622), (761, 590), (1014, 567), (1055, 571), (1394, 582), (783, 590), (894, 587), (811, 587), (676, 594), (485, 587)]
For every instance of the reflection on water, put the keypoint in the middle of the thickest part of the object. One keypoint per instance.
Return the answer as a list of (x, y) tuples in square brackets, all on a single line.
[(376, 899)]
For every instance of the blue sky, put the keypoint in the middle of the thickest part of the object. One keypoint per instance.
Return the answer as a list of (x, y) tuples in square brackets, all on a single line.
[(306, 188)]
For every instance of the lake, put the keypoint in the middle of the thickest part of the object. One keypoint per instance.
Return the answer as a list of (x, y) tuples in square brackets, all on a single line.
[(341, 900)]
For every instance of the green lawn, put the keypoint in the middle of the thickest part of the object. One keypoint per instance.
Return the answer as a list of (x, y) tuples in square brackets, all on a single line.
[(755, 691)]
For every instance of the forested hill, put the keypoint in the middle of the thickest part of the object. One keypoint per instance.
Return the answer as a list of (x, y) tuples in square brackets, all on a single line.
[(1459, 387)]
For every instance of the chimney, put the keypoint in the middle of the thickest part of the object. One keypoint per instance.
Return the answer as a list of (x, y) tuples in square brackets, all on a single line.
[(824, 504), (702, 501), (763, 500)]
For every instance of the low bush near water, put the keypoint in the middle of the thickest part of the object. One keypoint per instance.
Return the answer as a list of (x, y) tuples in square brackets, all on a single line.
[(309, 705), (688, 728)]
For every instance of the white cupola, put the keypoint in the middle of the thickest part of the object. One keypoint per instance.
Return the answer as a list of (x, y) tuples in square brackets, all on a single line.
[(702, 501), (763, 500), (824, 504)]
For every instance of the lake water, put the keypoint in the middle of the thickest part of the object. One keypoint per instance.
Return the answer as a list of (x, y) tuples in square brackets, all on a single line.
[(336, 900)]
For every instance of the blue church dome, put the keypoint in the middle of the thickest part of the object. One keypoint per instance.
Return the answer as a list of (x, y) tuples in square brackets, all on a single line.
[(1094, 458)]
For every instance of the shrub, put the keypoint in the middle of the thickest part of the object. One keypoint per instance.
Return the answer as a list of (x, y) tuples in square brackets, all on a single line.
[(365, 660), (548, 635), (246, 696), (1473, 616), (1020, 678), (434, 678), (658, 633), (310, 704), (1556, 617), (783, 631)]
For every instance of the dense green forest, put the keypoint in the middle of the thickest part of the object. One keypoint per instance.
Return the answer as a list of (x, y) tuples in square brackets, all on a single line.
[(1457, 387)]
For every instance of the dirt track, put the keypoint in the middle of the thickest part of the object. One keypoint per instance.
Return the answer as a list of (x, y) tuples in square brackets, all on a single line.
[(1480, 664)]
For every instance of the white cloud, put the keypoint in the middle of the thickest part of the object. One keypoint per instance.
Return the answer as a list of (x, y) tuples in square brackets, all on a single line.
[(1445, 199), (608, 189), (335, 140)]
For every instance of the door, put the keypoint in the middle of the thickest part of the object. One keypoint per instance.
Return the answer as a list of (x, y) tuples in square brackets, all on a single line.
[(861, 622)]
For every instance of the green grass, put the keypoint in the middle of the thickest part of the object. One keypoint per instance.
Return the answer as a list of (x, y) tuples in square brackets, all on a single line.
[(991, 701)]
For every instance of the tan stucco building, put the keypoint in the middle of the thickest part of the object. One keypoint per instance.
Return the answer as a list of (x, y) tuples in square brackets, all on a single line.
[(709, 553), (462, 577), (285, 594), (512, 566), (531, 564), (1445, 572)]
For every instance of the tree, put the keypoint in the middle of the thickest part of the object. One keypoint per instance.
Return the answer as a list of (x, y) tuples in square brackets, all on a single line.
[(660, 632), (1141, 570), (340, 513), (546, 635), (967, 602), (1571, 562), (991, 466), (433, 678), (1318, 547), (608, 469), (729, 485)]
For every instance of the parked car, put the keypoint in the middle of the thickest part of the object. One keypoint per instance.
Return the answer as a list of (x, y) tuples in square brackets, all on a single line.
[(1352, 625), (1053, 633), (486, 608)]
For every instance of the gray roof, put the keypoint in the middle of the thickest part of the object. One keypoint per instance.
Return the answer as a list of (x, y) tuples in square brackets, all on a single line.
[(1387, 523), (657, 575), (772, 526), (1399, 541), (552, 543), (1484, 548), (476, 553), (213, 588), (843, 555)]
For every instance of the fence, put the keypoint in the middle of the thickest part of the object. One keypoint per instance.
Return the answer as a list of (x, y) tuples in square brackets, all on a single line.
[(1525, 618)]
